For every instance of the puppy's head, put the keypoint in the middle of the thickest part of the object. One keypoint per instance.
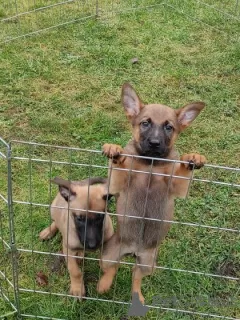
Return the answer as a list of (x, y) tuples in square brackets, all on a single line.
[(84, 197), (156, 126)]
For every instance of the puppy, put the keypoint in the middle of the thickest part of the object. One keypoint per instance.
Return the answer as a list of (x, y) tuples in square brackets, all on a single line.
[(147, 185), (72, 215)]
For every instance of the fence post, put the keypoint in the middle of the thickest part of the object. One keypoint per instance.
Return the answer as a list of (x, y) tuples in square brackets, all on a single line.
[(14, 256), (236, 6), (97, 9)]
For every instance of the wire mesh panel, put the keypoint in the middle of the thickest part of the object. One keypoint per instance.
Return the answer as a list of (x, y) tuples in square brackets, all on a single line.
[(197, 271), (226, 13), (26, 17), (8, 253), (19, 18)]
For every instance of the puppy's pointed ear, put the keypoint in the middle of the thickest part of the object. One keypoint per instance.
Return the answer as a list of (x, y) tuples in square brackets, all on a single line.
[(131, 102), (67, 194), (107, 197), (65, 188), (187, 114)]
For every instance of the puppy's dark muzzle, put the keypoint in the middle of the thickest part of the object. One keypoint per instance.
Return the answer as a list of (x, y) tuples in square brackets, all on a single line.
[(92, 245), (89, 231), (154, 143)]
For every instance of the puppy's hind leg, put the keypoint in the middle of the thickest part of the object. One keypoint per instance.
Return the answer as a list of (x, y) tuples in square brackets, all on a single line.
[(144, 266), (113, 251), (48, 232)]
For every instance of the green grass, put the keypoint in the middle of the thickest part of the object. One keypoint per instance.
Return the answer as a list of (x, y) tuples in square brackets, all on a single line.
[(62, 87)]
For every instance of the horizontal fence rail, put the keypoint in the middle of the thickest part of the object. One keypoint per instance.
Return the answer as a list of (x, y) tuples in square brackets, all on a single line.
[(35, 174), (27, 18)]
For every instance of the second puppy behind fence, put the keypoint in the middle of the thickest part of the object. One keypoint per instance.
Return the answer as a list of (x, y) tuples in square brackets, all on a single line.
[(81, 228)]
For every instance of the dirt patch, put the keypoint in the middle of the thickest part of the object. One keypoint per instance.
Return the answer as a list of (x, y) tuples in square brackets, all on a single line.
[(229, 268)]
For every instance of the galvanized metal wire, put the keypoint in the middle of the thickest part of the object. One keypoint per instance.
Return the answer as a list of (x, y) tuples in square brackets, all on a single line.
[(22, 20), (28, 157)]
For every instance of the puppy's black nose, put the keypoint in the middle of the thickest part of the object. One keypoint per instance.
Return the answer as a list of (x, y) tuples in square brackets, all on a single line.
[(92, 244), (154, 142)]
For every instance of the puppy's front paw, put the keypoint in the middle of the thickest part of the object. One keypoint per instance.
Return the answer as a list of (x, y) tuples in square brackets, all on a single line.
[(45, 234), (195, 161), (77, 290), (113, 151), (104, 284)]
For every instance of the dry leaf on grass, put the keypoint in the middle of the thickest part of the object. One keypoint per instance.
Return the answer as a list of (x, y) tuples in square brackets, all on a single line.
[(41, 279)]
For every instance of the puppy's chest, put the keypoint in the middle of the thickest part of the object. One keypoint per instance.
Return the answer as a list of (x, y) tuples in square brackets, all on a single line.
[(150, 180), (146, 192)]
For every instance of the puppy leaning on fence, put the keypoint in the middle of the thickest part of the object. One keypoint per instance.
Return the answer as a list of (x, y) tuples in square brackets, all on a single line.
[(81, 229), (144, 194)]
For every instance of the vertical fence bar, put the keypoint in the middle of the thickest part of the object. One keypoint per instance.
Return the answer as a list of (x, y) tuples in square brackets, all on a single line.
[(236, 5), (14, 257), (50, 248), (97, 8), (4, 294)]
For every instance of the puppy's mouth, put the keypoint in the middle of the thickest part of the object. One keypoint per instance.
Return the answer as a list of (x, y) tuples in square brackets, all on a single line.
[(90, 244), (159, 152), (92, 248), (155, 153)]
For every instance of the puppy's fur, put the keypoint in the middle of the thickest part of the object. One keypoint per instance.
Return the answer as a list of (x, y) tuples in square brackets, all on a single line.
[(143, 194), (80, 228)]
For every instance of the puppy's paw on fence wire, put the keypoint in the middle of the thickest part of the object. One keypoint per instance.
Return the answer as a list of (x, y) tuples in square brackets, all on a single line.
[(113, 151), (195, 160)]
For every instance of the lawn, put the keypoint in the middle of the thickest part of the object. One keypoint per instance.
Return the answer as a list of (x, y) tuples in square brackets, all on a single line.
[(62, 87)]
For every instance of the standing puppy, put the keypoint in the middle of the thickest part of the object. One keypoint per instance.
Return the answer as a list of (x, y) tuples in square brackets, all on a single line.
[(150, 194), (80, 228)]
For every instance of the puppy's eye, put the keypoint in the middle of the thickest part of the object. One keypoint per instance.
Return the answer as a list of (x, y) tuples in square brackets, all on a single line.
[(145, 123), (168, 127)]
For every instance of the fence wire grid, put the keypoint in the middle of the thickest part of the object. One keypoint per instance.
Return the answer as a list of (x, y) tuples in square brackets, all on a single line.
[(202, 246), (198, 270), (21, 18)]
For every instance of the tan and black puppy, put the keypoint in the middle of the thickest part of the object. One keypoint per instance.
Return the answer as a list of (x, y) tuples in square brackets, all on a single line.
[(80, 228), (147, 187)]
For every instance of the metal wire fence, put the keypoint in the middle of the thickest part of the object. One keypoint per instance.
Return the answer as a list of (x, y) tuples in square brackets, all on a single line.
[(201, 252), (21, 18), (197, 273)]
